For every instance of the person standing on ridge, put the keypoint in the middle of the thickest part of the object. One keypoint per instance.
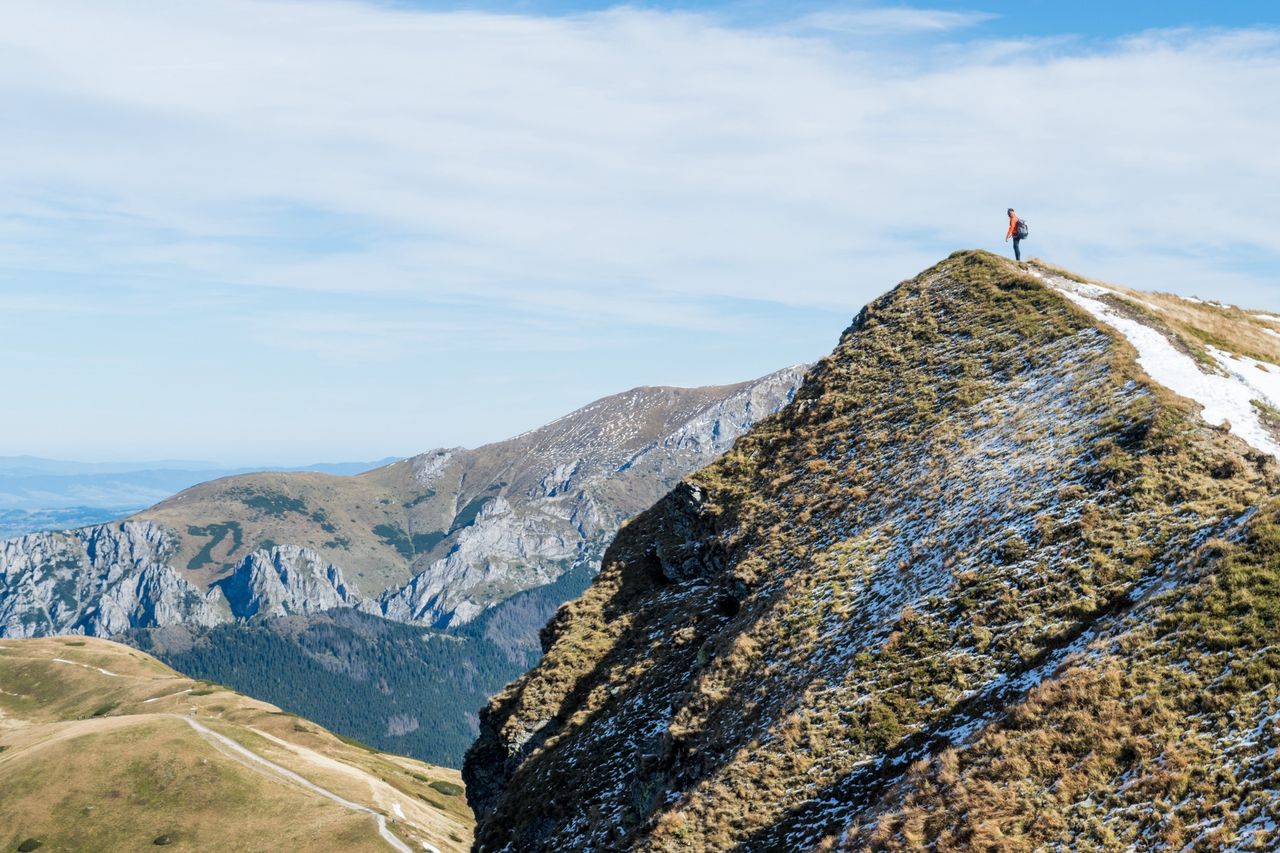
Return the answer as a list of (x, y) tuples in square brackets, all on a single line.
[(1017, 230)]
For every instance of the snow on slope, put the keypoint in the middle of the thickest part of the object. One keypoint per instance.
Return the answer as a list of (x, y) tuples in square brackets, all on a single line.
[(1225, 399)]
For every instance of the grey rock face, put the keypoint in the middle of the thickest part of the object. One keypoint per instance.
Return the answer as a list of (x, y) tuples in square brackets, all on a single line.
[(105, 580), (98, 581), (287, 580), (505, 549), (584, 476)]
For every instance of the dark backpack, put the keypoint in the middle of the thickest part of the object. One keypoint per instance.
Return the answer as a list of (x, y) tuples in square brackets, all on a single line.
[(1020, 231)]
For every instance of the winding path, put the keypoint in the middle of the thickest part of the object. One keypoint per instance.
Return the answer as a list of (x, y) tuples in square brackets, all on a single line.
[(252, 758)]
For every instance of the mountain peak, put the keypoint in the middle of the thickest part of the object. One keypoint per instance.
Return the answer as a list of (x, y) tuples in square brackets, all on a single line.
[(978, 515)]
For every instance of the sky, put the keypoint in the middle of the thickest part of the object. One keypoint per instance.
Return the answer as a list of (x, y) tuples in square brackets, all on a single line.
[(282, 231)]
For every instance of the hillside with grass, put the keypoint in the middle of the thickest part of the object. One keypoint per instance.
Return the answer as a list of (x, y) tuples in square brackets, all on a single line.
[(104, 748), (1005, 575)]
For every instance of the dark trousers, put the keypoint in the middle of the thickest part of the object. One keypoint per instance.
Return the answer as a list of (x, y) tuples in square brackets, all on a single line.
[(1017, 248)]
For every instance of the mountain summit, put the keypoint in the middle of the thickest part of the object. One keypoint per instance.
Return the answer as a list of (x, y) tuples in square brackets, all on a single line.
[(1002, 577)]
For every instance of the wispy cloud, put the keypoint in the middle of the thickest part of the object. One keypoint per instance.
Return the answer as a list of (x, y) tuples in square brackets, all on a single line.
[(593, 176), (897, 20)]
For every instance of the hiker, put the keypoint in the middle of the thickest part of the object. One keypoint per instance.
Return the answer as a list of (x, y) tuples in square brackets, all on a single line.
[(1018, 231)]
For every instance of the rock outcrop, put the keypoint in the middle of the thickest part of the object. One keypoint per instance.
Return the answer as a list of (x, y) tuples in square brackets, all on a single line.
[(984, 584), (285, 581), (100, 580), (550, 500)]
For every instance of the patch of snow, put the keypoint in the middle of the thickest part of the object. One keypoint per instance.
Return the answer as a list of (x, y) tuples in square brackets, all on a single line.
[(1222, 398), (86, 666), (395, 807), (1260, 376), (1091, 289), (166, 696)]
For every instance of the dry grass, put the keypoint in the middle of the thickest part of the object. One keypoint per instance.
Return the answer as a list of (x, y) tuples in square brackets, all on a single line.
[(923, 520), (88, 763), (1197, 323)]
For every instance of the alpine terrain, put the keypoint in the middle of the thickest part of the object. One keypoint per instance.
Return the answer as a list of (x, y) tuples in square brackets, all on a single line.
[(104, 748), (431, 540), (1005, 575), (289, 586)]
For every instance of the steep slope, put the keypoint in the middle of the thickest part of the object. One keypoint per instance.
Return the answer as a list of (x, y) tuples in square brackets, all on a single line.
[(104, 748), (982, 585), (431, 540)]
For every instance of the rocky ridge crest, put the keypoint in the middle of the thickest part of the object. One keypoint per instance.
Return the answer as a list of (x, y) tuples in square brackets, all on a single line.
[(984, 584)]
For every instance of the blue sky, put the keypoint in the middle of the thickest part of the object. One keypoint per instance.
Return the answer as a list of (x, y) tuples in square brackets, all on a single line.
[(1008, 18), (271, 232)]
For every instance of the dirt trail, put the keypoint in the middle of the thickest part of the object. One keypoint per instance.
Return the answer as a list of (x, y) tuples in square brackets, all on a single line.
[(252, 759), (383, 794)]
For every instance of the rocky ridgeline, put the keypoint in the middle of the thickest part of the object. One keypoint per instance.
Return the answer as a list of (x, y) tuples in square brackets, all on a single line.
[(506, 518), (98, 580), (569, 486), (286, 581), (520, 548), (984, 585)]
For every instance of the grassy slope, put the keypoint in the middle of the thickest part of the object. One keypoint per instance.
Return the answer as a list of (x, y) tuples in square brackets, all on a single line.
[(1194, 323), (978, 477), (222, 521), (87, 763), (1164, 736)]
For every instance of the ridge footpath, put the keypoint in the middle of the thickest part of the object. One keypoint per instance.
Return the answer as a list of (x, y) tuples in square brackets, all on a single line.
[(986, 583)]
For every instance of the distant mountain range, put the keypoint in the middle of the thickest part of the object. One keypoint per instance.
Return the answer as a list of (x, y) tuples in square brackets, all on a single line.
[(55, 494), (432, 540)]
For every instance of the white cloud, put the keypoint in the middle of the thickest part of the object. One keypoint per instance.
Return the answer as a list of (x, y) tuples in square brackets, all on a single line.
[(329, 186), (896, 20), (612, 154)]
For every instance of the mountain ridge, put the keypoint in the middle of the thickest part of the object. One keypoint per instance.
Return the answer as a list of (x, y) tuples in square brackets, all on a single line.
[(432, 540), (838, 635)]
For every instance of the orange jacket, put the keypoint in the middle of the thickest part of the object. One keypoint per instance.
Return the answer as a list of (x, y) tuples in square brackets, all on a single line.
[(1013, 225)]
